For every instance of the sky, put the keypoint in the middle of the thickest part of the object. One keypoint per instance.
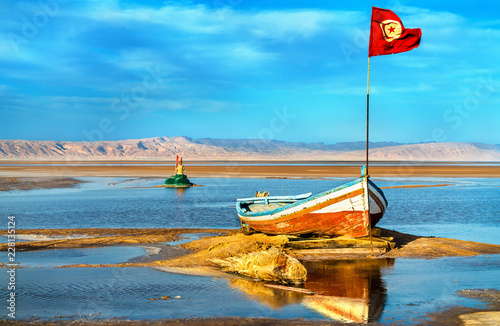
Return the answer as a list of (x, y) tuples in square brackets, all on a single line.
[(245, 69)]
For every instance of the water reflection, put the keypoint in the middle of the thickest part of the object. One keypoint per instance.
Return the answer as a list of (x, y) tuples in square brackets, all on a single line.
[(345, 290), (348, 290), (180, 192), (273, 298)]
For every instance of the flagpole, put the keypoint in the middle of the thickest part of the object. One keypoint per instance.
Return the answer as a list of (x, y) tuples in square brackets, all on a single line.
[(386, 30), (367, 199), (367, 114)]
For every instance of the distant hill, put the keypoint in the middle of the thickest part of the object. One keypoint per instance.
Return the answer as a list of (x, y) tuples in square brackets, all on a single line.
[(270, 145), (165, 148)]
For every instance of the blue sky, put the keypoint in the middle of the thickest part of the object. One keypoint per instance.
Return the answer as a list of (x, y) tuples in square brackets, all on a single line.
[(285, 70)]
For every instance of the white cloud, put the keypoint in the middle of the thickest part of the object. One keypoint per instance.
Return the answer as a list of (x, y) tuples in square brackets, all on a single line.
[(193, 19), (288, 26), (278, 25)]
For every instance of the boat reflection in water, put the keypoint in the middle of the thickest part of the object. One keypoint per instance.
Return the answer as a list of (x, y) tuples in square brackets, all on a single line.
[(345, 290)]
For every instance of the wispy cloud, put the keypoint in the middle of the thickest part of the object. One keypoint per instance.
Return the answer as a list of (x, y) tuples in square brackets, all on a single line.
[(192, 104)]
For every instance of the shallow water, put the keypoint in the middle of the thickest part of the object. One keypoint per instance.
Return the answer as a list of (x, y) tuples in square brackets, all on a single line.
[(363, 290), (189, 237), (468, 210), (402, 289)]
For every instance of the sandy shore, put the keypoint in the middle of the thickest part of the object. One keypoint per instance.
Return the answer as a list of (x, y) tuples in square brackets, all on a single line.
[(240, 170)]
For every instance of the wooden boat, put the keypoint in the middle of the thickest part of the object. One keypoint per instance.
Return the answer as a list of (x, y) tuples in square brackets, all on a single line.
[(348, 210)]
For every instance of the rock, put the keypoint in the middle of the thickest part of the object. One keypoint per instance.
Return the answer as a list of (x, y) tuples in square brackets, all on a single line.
[(481, 318), (268, 265)]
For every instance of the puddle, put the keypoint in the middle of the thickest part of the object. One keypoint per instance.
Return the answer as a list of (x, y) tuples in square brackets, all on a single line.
[(189, 237)]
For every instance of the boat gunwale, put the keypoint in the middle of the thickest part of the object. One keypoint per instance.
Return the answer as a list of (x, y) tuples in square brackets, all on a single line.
[(292, 199)]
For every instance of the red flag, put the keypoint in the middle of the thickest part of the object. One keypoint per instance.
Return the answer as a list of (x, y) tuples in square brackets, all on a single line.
[(388, 35), (177, 161)]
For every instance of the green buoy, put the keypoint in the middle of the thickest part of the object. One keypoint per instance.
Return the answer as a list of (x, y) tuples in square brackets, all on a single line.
[(179, 179)]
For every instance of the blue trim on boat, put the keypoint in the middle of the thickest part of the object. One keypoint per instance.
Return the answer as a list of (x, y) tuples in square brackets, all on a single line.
[(380, 191), (277, 210)]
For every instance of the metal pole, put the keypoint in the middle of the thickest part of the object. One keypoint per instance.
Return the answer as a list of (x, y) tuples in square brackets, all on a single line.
[(366, 196), (367, 147)]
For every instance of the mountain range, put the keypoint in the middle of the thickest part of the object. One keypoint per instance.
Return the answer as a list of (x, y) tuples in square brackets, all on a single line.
[(166, 148)]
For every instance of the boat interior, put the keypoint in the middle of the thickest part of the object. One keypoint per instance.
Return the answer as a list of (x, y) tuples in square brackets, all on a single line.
[(261, 207), (266, 203)]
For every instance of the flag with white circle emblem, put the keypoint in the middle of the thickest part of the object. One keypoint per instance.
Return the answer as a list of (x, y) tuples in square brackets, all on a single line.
[(388, 35)]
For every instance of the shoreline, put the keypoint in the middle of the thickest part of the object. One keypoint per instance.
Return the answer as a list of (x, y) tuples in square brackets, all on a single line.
[(251, 169)]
